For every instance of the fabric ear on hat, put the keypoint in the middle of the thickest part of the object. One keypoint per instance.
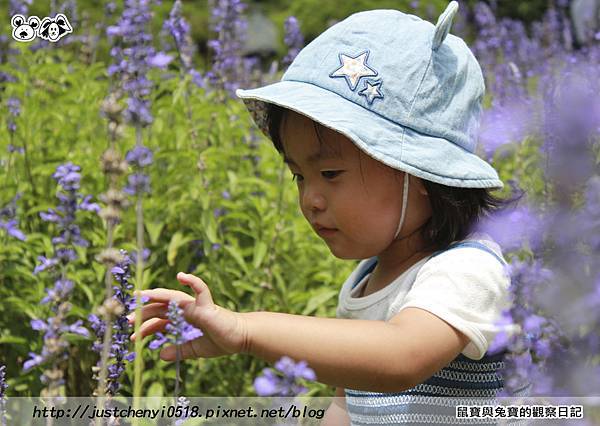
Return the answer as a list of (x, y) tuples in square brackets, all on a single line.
[(442, 28)]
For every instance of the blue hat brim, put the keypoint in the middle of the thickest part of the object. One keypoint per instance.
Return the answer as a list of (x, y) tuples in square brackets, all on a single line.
[(434, 159)]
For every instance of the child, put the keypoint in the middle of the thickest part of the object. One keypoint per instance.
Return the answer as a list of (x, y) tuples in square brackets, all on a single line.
[(376, 119)]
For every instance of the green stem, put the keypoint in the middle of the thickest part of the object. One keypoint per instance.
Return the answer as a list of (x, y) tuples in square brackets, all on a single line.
[(138, 362)]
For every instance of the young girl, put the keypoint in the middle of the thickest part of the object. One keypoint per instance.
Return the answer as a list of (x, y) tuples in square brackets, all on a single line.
[(376, 119)]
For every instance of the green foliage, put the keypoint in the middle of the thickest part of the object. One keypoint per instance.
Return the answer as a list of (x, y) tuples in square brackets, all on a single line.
[(267, 257)]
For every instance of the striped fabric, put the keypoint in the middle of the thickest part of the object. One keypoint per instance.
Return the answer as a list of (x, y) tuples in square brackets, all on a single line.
[(462, 382)]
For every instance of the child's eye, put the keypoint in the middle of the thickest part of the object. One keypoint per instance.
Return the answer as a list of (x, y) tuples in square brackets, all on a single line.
[(330, 174), (327, 174)]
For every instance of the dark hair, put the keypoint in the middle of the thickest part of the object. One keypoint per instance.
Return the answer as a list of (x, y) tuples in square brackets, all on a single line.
[(455, 211)]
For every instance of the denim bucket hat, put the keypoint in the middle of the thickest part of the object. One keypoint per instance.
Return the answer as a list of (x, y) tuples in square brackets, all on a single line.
[(404, 91)]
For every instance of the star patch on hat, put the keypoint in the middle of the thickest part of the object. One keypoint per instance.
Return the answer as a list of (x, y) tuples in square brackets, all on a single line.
[(371, 91), (353, 69)]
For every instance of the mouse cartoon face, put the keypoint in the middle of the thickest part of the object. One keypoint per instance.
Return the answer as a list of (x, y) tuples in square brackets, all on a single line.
[(54, 29), (24, 30)]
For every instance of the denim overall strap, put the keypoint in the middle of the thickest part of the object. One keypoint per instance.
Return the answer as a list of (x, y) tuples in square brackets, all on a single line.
[(364, 273), (471, 244)]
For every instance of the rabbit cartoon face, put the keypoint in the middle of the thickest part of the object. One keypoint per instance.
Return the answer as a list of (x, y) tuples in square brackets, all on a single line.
[(24, 30), (54, 29)]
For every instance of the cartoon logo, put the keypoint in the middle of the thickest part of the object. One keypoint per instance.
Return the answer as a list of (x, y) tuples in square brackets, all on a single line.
[(50, 29), (54, 29), (24, 30)]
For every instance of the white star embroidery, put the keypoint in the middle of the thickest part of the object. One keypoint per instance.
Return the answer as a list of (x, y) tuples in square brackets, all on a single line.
[(353, 69), (371, 91)]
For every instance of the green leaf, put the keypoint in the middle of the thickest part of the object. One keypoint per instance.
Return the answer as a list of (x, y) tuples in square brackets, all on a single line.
[(154, 229), (237, 256), (318, 300), (177, 240), (13, 339), (260, 250)]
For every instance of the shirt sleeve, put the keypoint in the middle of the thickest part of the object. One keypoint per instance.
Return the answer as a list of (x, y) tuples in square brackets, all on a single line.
[(468, 288)]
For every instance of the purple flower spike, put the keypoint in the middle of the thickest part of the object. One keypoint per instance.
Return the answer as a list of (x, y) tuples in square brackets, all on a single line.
[(119, 353), (293, 39)]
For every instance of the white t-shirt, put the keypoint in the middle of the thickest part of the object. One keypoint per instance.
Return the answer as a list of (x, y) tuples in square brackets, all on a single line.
[(466, 287)]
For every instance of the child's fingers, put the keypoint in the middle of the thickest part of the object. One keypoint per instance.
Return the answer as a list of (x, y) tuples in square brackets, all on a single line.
[(150, 310), (150, 327), (164, 295), (203, 296)]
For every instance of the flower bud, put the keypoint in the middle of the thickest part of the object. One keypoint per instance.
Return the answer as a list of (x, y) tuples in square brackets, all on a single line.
[(110, 308), (109, 257), (112, 108), (110, 214), (112, 163)]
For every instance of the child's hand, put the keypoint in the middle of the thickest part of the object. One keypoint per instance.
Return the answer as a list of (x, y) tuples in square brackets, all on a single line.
[(224, 330)]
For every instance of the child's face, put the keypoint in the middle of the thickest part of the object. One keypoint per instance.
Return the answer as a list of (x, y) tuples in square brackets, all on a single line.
[(349, 191)]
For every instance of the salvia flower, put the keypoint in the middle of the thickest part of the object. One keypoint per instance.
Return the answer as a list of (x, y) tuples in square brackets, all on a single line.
[(9, 221), (20, 7), (57, 297), (179, 29), (293, 39), (284, 380), (119, 353), (230, 29), (133, 57), (178, 330)]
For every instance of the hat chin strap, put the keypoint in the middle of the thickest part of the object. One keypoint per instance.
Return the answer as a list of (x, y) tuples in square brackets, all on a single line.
[(404, 204)]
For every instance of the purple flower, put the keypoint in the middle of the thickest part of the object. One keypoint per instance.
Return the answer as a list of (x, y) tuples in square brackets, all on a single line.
[(46, 263), (137, 183), (14, 106), (293, 39), (133, 55), (178, 330), (145, 255), (139, 156), (34, 360), (13, 148), (287, 382), (11, 229), (230, 29), (38, 325), (513, 228), (87, 206), (160, 60), (67, 176), (14, 110), (20, 7), (57, 297)]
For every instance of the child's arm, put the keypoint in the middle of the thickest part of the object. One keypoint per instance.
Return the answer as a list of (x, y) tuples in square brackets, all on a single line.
[(357, 354), (373, 356)]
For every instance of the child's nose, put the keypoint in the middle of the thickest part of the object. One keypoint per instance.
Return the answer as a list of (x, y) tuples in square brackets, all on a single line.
[(312, 199)]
